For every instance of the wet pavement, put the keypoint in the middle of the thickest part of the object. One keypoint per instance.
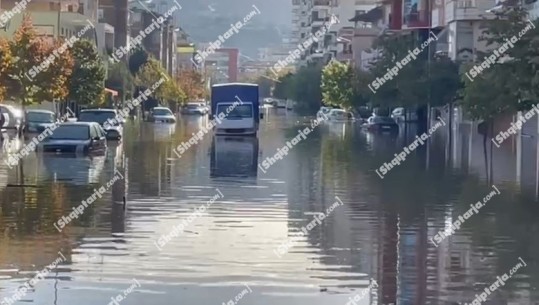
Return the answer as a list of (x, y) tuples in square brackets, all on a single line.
[(382, 233)]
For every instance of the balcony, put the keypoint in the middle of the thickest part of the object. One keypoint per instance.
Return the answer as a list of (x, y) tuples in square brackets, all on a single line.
[(468, 10), (323, 4), (318, 22)]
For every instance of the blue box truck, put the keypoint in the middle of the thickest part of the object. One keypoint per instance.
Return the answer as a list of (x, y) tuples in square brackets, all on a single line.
[(235, 109)]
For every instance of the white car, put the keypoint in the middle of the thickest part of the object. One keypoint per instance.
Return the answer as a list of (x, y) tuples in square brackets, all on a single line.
[(399, 115), (339, 115), (195, 108), (16, 117), (323, 112), (6, 120), (162, 115)]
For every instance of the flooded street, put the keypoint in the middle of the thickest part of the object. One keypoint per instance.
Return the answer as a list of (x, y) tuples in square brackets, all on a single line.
[(245, 241)]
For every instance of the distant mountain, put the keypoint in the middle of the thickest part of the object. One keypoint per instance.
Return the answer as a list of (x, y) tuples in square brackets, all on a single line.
[(205, 20)]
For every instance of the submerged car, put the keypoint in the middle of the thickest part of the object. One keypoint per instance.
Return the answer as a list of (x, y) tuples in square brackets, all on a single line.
[(75, 137), (339, 115), (381, 124), (38, 120), (16, 117), (195, 108), (162, 115), (107, 118), (323, 112), (399, 114)]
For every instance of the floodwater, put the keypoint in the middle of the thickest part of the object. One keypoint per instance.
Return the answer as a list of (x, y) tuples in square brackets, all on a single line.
[(243, 245)]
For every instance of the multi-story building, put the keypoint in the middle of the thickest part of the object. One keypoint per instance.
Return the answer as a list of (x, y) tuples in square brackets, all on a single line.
[(116, 14), (160, 42), (185, 52), (221, 66), (310, 16), (55, 19)]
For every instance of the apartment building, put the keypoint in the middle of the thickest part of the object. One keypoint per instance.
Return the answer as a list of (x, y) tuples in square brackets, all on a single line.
[(185, 52), (310, 16), (116, 14), (161, 42), (53, 18), (221, 66)]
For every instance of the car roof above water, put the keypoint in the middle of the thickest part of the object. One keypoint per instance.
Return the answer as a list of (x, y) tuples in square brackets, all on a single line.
[(99, 110), (78, 124), (39, 111)]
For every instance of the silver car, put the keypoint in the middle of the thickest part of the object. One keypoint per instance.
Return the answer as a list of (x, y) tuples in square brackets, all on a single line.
[(16, 117), (162, 115), (195, 108)]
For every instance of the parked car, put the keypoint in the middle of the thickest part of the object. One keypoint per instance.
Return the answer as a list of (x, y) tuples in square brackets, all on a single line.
[(75, 137), (381, 124), (113, 128), (5, 122), (281, 103), (399, 115), (16, 117), (206, 106), (339, 115), (323, 112), (162, 115), (38, 120), (195, 108)]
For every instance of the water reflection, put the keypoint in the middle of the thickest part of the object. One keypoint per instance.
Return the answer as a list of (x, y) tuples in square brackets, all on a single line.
[(381, 232), (234, 157)]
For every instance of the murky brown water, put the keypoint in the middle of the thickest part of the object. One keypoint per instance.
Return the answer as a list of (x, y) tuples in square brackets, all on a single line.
[(382, 232)]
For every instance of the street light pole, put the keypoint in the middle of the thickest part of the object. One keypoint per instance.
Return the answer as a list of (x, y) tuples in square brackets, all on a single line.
[(58, 25)]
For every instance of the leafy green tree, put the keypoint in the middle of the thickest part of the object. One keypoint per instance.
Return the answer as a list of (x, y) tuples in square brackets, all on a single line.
[(151, 75), (284, 87), (119, 78), (138, 59), (6, 62), (24, 84), (87, 81), (337, 84), (191, 84), (54, 81), (305, 89), (511, 84)]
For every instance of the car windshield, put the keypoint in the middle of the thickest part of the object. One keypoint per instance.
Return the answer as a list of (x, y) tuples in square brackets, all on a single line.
[(40, 117), (240, 111), (326, 110), (162, 111), (193, 106), (71, 132), (96, 116)]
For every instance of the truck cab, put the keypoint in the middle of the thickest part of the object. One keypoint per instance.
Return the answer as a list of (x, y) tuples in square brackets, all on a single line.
[(235, 109)]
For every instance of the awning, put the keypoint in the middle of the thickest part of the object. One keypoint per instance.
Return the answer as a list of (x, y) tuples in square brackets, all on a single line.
[(112, 92), (373, 15)]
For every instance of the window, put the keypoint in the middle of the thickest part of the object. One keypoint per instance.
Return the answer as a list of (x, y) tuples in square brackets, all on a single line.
[(71, 132), (239, 112), (40, 117), (99, 117)]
